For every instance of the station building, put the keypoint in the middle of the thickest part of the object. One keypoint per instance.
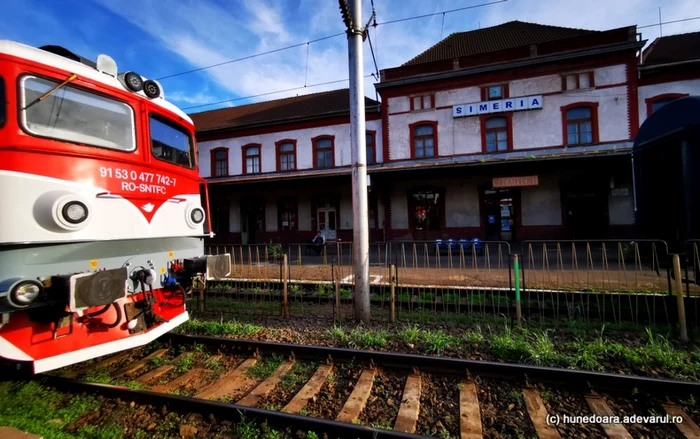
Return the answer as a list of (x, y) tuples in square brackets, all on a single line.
[(515, 132)]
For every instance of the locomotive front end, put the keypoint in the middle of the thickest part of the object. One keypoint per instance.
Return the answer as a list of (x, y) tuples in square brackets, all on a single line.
[(101, 238)]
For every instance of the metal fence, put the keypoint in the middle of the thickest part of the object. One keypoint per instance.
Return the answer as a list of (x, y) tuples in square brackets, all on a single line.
[(603, 280)]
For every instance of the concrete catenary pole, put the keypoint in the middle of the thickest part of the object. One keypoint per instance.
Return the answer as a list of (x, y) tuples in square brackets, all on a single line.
[(360, 239)]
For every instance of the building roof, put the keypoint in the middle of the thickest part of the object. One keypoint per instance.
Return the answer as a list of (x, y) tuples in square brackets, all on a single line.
[(492, 39), (673, 49), (298, 108)]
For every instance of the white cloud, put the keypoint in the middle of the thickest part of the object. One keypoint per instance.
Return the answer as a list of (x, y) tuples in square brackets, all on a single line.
[(203, 33)]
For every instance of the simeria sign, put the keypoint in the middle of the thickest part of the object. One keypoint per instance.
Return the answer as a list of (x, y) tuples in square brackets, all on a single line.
[(499, 106)]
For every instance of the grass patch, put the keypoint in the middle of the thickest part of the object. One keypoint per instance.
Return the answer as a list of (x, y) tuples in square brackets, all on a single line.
[(365, 338), (184, 364), (35, 409), (100, 376), (435, 341), (195, 326), (297, 375), (266, 367), (338, 333), (410, 334), (158, 361), (473, 336)]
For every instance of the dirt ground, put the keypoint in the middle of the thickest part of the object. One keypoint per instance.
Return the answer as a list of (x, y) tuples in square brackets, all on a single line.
[(614, 280)]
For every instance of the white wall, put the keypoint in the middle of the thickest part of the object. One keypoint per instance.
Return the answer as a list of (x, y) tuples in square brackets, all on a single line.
[(531, 129), (269, 151), (691, 87)]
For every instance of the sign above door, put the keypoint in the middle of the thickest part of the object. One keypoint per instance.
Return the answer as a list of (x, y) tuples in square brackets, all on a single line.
[(531, 180)]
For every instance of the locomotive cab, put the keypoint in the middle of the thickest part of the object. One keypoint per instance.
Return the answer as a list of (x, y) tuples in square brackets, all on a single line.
[(98, 173)]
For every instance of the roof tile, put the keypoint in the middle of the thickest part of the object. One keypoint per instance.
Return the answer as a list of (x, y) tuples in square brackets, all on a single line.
[(309, 106), (491, 39), (673, 48)]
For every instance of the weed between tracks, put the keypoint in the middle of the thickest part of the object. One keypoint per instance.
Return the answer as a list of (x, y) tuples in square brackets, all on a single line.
[(657, 356), (265, 367), (221, 328)]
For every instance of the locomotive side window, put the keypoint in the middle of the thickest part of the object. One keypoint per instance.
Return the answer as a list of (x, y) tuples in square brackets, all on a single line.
[(171, 143), (75, 115)]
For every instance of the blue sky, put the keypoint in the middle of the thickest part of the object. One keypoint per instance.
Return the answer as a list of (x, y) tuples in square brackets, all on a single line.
[(157, 38)]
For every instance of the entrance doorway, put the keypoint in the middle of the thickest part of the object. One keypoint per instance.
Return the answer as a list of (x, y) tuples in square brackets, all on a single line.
[(252, 220), (500, 213), (326, 219), (426, 208), (586, 209)]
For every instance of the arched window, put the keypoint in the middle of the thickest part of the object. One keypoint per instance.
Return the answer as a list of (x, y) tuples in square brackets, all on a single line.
[(496, 138), (286, 155), (324, 151), (251, 159), (580, 123), (219, 162), (659, 101), (423, 140)]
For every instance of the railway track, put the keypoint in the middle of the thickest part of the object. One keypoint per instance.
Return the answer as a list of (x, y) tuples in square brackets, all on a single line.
[(358, 394)]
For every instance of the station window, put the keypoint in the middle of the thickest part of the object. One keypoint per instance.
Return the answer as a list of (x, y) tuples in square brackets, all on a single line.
[(424, 102), (423, 140), (657, 102), (323, 152), (286, 155), (494, 93), (251, 159), (496, 138), (219, 160), (577, 81), (371, 147), (580, 122)]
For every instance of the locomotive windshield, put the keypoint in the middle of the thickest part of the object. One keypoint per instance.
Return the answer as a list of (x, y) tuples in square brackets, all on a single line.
[(75, 115), (171, 143)]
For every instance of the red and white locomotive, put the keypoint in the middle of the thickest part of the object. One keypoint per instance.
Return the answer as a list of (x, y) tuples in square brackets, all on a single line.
[(102, 209)]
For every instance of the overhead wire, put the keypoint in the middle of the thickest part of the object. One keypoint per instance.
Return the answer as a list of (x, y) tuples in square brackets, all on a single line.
[(316, 40), (375, 75), (267, 94)]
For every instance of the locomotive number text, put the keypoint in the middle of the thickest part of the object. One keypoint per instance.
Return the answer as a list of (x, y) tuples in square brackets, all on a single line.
[(135, 181)]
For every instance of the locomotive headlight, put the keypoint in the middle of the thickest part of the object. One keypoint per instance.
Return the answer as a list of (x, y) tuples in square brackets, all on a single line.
[(194, 216), (133, 81), (74, 212), (24, 293), (151, 89), (71, 212), (197, 216)]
